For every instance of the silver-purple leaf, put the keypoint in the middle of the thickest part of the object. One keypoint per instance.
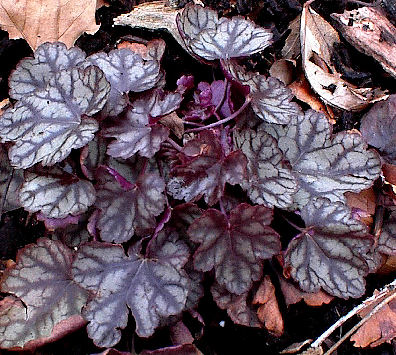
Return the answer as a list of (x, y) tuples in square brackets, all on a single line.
[(41, 278), (209, 37), (387, 238), (269, 182), (33, 74), (234, 246), (47, 124), (126, 71), (330, 252), (152, 287), (324, 164), (135, 133), (54, 197), (140, 203)]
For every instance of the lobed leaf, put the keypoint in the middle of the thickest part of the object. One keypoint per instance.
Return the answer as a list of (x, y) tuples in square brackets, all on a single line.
[(47, 124), (326, 165), (34, 74), (387, 238), (209, 37), (269, 182), (204, 168), (234, 246), (330, 252), (136, 133), (41, 278), (140, 202), (54, 197), (152, 287)]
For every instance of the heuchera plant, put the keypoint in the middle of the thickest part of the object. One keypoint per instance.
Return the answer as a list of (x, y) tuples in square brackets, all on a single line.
[(150, 207)]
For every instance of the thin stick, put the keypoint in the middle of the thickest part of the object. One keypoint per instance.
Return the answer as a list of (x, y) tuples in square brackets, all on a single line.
[(375, 310), (224, 120), (388, 288)]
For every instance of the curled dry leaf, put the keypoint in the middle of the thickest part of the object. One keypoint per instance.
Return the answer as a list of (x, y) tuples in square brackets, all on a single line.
[(369, 31), (317, 42), (39, 21), (268, 311)]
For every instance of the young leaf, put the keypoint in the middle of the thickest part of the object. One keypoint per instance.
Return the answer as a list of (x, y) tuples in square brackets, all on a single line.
[(326, 165), (54, 197), (209, 37), (330, 252), (33, 74), (270, 98), (269, 182), (136, 133), (204, 168), (41, 279), (47, 124), (126, 71), (152, 287), (234, 246), (140, 203), (378, 128)]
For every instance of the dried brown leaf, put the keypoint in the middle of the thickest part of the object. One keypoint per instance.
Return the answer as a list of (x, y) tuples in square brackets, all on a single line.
[(39, 21), (292, 48), (317, 41), (363, 204)]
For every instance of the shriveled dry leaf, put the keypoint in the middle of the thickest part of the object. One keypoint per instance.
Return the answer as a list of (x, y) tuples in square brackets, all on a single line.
[(380, 328), (293, 294), (389, 172), (295, 347), (363, 204), (268, 312), (291, 49), (317, 41), (39, 21), (371, 33), (174, 123)]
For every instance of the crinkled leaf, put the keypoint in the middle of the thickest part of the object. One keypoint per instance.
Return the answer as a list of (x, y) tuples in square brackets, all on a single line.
[(270, 98), (269, 181), (387, 238), (378, 128), (324, 164), (126, 71), (33, 74), (54, 197), (236, 306), (47, 124), (41, 279), (204, 168), (209, 37), (330, 252), (236, 246), (152, 287), (140, 203), (135, 132)]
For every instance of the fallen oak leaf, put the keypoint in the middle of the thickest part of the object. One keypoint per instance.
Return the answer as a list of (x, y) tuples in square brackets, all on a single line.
[(39, 21)]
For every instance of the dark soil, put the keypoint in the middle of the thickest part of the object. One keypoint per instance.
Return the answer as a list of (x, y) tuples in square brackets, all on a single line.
[(219, 335)]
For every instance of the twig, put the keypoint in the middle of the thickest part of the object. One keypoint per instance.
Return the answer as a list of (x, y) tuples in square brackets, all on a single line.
[(387, 289), (375, 310)]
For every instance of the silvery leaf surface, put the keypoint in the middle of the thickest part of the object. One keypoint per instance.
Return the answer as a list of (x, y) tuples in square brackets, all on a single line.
[(47, 124), (331, 251), (41, 278), (54, 197), (134, 133), (152, 287), (234, 246), (140, 203), (324, 164), (269, 182), (204, 168), (387, 238), (211, 38), (33, 74)]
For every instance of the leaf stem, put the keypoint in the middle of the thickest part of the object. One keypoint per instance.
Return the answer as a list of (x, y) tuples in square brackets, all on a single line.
[(224, 120), (293, 225), (174, 144)]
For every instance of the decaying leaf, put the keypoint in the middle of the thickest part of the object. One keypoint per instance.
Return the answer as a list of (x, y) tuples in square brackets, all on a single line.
[(369, 30), (317, 42), (292, 47), (41, 278), (268, 311), (153, 287), (39, 21)]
